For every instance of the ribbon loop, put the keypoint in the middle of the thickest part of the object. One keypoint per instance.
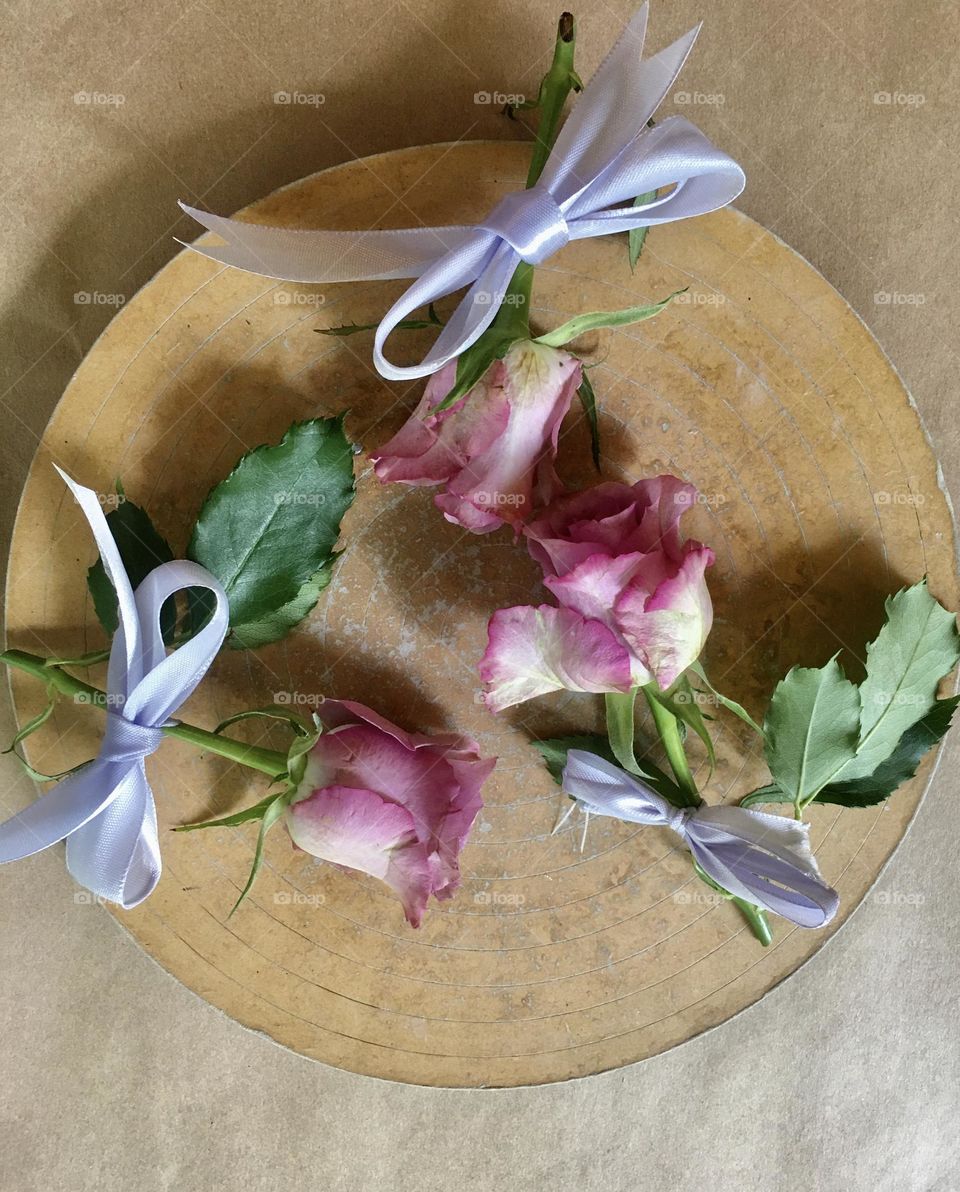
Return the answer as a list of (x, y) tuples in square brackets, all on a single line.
[(105, 810), (605, 156), (763, 859)]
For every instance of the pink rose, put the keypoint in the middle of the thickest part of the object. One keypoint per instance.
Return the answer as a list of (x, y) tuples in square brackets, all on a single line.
[(634, 605), (493, 450), (396, 805)]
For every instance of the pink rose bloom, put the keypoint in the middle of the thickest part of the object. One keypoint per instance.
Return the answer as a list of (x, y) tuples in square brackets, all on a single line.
[(634, 605), (493, 450), (396, 805)]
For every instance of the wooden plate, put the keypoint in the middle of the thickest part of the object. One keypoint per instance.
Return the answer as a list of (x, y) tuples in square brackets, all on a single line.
[(820, 496)]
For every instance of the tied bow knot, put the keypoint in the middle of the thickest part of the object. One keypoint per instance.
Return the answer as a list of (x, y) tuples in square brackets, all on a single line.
[(531, 222), (105, 810), (764, 859), (604, 158), (126, 741)]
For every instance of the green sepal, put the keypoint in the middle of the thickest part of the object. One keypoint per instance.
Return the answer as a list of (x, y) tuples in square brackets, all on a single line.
[(599, 319), (588, 399)]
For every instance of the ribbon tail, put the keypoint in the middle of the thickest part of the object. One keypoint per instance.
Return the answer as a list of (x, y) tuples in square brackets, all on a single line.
[(72, 803), (116, 855), (304, 255), (764, 859)]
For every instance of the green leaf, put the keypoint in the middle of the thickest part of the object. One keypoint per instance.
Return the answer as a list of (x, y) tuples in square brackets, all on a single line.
[(603, 318), (554, 752), (916, 647), (730, 704), (636, 236), (766, 794), (29, 728), (278, 624), (588, 399), (681, 700), (432, 320), (811, 727), (268, 531), (900, 766), (141, 548)]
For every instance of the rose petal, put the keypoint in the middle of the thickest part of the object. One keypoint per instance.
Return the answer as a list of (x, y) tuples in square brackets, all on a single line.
[(535, 650), (667, 630)]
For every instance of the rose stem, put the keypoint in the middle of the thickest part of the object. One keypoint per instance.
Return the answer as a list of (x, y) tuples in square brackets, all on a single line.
[(268, 761), (668, 728)]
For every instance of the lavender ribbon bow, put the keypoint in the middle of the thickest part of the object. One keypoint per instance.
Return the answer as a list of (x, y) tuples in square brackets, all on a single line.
[(605, 155), (763, 859), (106, 811)]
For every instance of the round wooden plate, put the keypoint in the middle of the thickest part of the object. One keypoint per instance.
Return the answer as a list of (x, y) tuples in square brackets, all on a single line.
[(819, 495)]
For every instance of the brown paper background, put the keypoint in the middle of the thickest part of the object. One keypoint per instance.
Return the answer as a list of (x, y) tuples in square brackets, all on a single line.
[(116, 1076)]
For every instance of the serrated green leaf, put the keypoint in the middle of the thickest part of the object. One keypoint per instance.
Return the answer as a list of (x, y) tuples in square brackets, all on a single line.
[(900, 766), (588, 399), (811, 729), (637, 236), (141, 548), (599, 319), (278, 624), (916, 647), (268, 531)]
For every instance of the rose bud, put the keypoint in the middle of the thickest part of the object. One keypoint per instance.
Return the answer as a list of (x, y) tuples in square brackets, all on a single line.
[(634, 605), (493, 450), (396, 805)]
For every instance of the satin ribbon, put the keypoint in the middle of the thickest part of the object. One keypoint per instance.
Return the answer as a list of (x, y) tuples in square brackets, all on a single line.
[(106, 810), (763, 859), (604, 156)]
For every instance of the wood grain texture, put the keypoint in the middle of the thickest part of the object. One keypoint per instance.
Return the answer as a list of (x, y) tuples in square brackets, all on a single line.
[(819, 495)]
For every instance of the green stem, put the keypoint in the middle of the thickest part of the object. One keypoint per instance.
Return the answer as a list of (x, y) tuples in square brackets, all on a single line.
[(755, 916), (557, 84), (268, 761), (669, 729), (620, 727)]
